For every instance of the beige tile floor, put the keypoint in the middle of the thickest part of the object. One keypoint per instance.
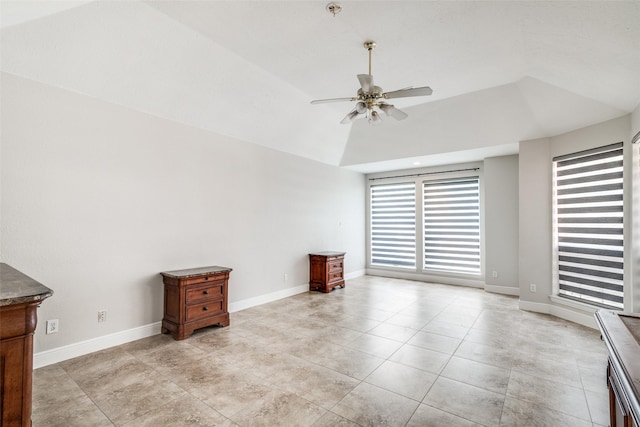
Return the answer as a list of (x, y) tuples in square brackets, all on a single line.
[(381, 352)]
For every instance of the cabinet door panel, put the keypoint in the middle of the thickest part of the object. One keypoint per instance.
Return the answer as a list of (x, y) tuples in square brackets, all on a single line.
[(12, 380)]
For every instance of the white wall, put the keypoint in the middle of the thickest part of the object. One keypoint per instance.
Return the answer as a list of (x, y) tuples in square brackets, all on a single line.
[(535, 215), (534, 212), (501, 224), (98, 199)]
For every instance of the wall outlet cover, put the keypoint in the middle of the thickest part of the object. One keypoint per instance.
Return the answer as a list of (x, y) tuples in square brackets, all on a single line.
[(52, 326)]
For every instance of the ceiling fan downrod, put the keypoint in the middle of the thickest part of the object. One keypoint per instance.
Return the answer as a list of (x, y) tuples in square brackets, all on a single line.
[(370, 45)]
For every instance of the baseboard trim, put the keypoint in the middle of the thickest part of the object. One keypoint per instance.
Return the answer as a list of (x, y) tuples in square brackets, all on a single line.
[(266, 298), (55, 355), (274, 296), (582, 318), (506, 290), (354, 274)]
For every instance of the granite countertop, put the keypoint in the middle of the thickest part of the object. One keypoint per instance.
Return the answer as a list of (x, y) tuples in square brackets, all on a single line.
[(18, 288), (328, 253), (190, 272)]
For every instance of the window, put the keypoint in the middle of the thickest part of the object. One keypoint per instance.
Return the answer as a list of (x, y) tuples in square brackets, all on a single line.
[(452, 226), (393, 225), (589, 226), (425, 223)]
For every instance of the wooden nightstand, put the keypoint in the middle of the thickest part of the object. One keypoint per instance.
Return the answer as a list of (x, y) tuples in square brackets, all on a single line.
[(326, 271), (194, 298), (20, 296)]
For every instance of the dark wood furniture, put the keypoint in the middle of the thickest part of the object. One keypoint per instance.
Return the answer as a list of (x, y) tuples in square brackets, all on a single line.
[(195, 298), (20, 297), (621, 335), (326, 271)]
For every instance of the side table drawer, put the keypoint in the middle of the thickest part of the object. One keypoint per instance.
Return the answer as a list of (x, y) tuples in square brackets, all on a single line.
[(204, 279), (214, 291), (335, 277), (335, 266), (204, 310)]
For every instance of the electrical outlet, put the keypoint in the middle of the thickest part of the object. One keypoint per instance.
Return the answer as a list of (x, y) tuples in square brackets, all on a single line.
[(532, 287), (102, 316), (52, 326), (286, 277), (494, 274)]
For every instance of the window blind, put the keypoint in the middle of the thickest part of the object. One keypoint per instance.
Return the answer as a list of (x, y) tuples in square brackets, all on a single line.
[(393, 225), (452, 225), (589, 226)]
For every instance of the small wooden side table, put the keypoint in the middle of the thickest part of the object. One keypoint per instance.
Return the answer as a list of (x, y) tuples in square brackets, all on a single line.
[(326, 271), (20, 296), (195, 298)]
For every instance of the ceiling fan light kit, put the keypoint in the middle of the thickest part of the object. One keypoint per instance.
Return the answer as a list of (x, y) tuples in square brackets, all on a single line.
[(370, 97)]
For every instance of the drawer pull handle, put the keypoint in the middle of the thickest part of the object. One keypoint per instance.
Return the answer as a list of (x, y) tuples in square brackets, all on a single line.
[(205, 292), (205, 308), (206, 278)]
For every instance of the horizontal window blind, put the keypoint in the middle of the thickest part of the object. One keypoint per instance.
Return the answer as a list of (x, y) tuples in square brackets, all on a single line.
[(589, 217), (452, 225), (393, 225)]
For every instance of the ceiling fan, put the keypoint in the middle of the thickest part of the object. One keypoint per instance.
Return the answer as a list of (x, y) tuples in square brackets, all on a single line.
[(369, 97)]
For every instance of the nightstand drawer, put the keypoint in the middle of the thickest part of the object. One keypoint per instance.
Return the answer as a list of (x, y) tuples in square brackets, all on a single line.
[(204, 310), (204, 279), (335, 266), (334, 277), (208, 292)]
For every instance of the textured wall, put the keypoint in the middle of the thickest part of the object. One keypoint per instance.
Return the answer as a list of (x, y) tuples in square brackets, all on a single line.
[(98, 199)]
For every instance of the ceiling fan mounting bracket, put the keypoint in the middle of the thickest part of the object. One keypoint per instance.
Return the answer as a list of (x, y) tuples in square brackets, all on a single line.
[(370, 45), (333, 8)]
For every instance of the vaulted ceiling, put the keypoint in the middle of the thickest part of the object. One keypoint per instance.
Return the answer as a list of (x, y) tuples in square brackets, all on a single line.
[(501, 71)]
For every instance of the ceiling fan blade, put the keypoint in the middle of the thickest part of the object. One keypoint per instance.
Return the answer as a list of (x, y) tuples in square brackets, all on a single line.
[(366, 82), (324, 101), (392, 111), (404, 93), (349, 117)]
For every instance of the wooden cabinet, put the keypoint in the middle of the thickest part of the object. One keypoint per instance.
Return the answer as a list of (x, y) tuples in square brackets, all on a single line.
[(20, 297), (326, 271), (195, 298), (621, 335)]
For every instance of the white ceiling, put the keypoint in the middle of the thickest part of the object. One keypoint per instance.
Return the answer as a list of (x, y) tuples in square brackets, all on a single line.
[(501, 71)]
